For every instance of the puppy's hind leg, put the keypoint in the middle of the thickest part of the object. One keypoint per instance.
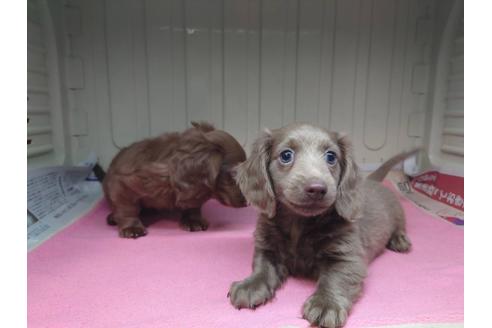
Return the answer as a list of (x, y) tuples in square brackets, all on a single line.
[(129, 224), (399, 242), (110, 220)]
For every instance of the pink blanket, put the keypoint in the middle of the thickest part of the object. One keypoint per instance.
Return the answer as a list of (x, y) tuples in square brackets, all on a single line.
[(88, 277)]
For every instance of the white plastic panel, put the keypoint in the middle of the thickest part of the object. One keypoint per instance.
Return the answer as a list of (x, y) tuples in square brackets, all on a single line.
[(453, 123), (166, 57), (241, 67), (46, 129), (446, 132), (40, 146), (127, 70), (152, 66)]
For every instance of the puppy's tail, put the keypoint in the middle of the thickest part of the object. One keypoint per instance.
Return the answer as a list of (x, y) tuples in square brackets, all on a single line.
[(383, 170), (99, 172)]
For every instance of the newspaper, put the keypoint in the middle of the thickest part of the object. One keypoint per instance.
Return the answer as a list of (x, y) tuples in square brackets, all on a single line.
[(56, 197), (439, 209)]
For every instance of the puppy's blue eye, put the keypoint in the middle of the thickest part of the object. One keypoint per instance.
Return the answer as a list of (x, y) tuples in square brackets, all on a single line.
[(330, 158), (287, 156)]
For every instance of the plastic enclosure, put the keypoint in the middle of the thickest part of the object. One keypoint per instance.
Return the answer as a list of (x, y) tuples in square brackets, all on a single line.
[(102, 74)]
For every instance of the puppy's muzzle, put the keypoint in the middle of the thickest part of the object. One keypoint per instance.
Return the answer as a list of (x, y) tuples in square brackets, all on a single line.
[(315, 189)]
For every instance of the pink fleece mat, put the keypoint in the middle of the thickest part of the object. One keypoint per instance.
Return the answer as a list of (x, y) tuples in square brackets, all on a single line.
[(88, 277)]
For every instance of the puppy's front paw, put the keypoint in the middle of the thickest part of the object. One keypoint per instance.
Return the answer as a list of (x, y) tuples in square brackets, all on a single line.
[(193, 224), (320, 311), (249, 293), (132, 232)]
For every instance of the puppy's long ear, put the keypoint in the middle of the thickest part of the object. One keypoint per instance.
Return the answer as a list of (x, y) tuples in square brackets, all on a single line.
[(213, 165), (349, 202), (253, 176), (232, 150)]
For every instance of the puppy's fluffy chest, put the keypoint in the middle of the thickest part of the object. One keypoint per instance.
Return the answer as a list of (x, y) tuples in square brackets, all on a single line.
[(308, 243), (300, 250)]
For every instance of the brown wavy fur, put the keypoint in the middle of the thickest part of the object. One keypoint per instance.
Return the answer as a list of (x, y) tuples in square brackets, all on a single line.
[(173, 171)]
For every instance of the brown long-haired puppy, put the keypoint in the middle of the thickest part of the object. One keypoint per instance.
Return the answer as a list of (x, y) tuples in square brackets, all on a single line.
[(173, 171), (319, 219)]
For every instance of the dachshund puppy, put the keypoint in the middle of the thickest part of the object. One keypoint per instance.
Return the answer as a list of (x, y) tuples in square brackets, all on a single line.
[(319, 219), (173, 171)]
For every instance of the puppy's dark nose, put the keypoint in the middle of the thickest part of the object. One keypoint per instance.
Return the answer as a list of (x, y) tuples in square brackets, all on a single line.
[(315, 189)]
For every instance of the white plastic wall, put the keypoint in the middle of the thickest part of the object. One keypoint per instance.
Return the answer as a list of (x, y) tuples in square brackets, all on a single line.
[(47, 131), (445, 137), (139, 68)]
